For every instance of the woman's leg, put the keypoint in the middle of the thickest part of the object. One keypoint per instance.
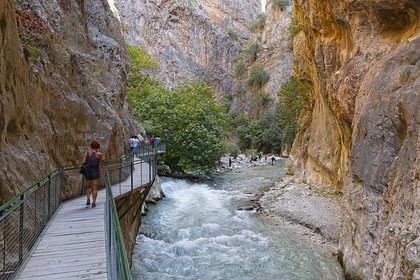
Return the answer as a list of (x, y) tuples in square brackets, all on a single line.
[(88, 186), (95, 184)]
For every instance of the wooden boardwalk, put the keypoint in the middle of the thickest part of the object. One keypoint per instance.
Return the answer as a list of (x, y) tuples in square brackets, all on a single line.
[(73, 244)]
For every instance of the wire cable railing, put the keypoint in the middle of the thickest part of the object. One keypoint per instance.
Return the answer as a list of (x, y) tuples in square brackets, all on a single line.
[(25, 216)]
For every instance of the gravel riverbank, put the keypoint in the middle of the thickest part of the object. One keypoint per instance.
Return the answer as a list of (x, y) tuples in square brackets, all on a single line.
[(312, 211)]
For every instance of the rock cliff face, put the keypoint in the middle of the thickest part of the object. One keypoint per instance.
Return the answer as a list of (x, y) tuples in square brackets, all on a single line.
[(61, 84), (274, 57), (189, 38), (362, 59)]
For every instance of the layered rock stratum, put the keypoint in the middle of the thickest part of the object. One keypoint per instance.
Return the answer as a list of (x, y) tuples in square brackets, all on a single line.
[(362, 60), (62, 75)]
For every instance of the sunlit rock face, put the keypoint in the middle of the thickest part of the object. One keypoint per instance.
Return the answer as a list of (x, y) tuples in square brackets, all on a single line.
[(61, 84), (190, 38), (362, 59)]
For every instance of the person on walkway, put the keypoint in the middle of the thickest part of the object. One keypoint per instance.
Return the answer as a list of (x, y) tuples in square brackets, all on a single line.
[(131, 143), (92, 158), (157, 140), (272, 160), (136, 142), (152, 140)]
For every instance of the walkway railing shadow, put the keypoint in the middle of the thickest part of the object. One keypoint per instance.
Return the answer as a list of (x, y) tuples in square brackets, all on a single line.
[(24, 217)]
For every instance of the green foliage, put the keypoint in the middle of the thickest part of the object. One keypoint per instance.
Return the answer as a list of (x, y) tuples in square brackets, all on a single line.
[(292, 100), (140, 60), (188, 118), (251, 52), (227, 100), (262, 99), (163, 169), (233, 150), (233, 34), (262, 134), (272, 136), (280, 4), (258, 23), (141, 65), (258, 77), (293, 29), (34, 53), (250, 135), (240, 90), (405, 76), (240, 67)]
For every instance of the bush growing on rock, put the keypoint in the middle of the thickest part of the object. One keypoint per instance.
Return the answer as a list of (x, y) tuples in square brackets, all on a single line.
[(293, 99), (280, 4), (252, 51), (258, 77), (258, 23)]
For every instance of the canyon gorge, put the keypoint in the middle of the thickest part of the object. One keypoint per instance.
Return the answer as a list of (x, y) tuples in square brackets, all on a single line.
[(63, 71)]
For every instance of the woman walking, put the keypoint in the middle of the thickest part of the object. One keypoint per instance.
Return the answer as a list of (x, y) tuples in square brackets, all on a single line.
[(92, 158)]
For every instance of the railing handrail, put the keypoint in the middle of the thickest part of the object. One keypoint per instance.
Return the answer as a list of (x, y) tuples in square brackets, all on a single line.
[(122, 258), (71, 167)]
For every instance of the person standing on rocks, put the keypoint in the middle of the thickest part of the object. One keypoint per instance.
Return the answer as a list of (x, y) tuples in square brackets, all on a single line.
[(92, 158)]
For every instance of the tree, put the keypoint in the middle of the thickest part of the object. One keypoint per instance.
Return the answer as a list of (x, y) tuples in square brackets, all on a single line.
[(293, 99), (188, 118)]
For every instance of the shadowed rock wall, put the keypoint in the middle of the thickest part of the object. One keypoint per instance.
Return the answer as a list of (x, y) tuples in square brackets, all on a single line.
[(61, 84)]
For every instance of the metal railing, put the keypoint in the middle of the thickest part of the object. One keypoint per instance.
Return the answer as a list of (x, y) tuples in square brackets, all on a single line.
[(131, 175), (24, 217)]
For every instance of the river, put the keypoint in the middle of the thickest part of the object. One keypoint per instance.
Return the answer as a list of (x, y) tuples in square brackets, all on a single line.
[(197, 232)]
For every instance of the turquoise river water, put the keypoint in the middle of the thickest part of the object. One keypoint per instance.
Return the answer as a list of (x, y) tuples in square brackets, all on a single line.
[(196, 232)]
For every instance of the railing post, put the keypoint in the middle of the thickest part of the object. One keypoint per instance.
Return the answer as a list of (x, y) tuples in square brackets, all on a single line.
[(21, 214), (49, 196), (132, 171), (150, 170), (83, 186), (4, 242)]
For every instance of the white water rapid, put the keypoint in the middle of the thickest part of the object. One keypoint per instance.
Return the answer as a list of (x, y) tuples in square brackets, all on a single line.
[(196, 232)]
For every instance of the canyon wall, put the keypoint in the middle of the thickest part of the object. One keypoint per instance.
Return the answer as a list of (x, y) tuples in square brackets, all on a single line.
[(362, 60), (62, 77), (190, 38), (275, 57)]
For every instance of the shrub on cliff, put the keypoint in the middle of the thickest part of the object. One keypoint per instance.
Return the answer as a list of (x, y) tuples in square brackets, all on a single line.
[(258, 23), (240, 67), (293, 99), (293, 29), (280, 4), (251, 52), (258, 77)]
